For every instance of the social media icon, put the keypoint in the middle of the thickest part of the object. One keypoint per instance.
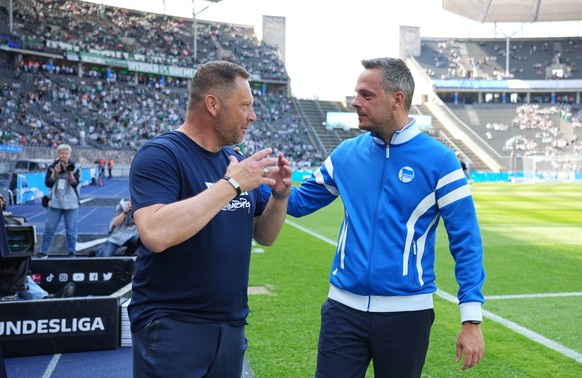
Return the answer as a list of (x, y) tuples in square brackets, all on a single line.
[(63, 277), (107, 276), (78, 277), (93, 276)]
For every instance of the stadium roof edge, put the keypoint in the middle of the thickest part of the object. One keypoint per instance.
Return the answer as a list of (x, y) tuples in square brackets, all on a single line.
[(516, 10)]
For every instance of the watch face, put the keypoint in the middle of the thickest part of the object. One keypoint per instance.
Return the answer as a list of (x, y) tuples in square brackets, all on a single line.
[(234, 183)]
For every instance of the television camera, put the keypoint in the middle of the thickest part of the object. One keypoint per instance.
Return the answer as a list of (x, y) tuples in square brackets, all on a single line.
[(17, 239)]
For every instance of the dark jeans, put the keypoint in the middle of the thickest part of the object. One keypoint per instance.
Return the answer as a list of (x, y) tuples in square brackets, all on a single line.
[(174, 348), (349, 339), (108, 249)]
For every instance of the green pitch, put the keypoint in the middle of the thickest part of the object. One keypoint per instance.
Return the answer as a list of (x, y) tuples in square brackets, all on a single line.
[(532, 236)]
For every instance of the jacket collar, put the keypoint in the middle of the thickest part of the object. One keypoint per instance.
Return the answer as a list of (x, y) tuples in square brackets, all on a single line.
[(401, 136)]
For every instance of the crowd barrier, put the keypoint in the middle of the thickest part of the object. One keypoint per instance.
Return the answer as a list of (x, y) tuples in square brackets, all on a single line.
[(31, 187)]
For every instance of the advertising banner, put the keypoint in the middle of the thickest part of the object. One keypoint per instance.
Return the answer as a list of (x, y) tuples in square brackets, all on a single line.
[(91, 276), (48, 326), (90, 320)]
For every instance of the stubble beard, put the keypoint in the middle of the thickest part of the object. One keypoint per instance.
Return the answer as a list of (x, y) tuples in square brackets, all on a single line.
[(380, 125), (228, 132), (367, 125)]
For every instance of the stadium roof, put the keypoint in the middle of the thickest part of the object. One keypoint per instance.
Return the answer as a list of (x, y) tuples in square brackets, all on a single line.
[(516, 10)]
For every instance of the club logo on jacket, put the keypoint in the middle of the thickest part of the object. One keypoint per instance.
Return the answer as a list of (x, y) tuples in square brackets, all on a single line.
[(406, 174)]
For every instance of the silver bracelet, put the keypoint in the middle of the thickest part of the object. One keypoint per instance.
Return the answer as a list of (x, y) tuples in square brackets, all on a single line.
[(281, 196)]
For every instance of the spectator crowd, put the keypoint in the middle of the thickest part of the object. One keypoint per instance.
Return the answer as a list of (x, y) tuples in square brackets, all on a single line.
[(46, 102)]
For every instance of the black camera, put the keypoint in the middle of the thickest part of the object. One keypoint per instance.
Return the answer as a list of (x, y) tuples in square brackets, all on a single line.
[(67, 167), (19, 237)]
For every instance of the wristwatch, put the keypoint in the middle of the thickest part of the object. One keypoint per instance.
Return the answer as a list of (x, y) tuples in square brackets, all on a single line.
[(282, 196), (472, 321), (234, 184)]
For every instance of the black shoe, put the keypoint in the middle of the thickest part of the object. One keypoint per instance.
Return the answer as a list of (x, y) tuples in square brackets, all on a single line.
[(66, 292), (40, 255)]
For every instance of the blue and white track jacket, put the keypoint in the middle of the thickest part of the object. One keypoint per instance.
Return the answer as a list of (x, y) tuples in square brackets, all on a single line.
[(394, 196)]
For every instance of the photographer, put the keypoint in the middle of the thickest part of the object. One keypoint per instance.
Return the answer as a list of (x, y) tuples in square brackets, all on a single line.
[(62, 177), (122, 233)]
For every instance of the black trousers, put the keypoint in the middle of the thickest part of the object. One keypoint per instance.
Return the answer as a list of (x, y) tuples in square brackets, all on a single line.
[(349, 339), (174, 348)]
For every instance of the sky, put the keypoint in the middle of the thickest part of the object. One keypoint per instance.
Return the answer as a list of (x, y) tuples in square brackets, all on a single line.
[(327, 39)]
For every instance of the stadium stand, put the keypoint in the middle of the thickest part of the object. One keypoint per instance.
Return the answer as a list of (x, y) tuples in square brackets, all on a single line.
[(531, 107), (521, 130), (98, 77), (115, 108), (486, 58), (315, 112), (65, 77)]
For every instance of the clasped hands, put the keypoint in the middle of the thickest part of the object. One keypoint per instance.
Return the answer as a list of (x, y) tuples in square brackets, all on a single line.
[(259, 169)]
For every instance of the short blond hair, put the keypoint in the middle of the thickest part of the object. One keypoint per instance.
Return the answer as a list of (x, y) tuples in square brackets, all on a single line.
[(64, 146)]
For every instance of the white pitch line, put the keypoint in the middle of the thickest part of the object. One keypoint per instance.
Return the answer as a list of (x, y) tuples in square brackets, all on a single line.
[(51, 366), (549, 343), (576, 356), (308, 231), (489, 315), (542, 295)]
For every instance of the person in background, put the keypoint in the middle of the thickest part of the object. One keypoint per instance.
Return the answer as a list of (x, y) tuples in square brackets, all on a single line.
[(110, 167), (35, 291), (122, 232), (464, 166), (62, 178), (197, 207), (396, 182), (101, 172)]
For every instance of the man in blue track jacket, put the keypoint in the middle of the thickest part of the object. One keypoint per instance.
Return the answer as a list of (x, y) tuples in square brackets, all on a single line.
[(396, 182)]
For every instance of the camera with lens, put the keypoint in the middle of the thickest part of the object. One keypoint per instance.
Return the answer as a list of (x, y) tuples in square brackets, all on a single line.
[(20, 236), (67, 166)]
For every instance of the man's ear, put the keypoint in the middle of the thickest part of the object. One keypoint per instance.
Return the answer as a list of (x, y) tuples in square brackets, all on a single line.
[(212, 104), (399, 99)]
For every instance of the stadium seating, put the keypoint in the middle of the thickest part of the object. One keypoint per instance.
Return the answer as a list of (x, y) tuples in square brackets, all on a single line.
[(486, 58), (116, 110), (527, 129)]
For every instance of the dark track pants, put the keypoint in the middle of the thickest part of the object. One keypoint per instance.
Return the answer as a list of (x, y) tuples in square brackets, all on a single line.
[(173, 348), (349, 339)]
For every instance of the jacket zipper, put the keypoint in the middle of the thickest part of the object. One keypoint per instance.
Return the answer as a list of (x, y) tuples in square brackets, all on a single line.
[(378, 196)]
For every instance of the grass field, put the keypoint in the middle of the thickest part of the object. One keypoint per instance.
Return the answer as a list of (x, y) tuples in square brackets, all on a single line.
[(532, 237)]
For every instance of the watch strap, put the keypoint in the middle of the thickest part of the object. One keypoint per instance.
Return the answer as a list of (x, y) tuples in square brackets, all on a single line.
[(234, 184)]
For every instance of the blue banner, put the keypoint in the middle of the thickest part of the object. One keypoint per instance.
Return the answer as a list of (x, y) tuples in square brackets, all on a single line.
[(31, 187), (9, 148)]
